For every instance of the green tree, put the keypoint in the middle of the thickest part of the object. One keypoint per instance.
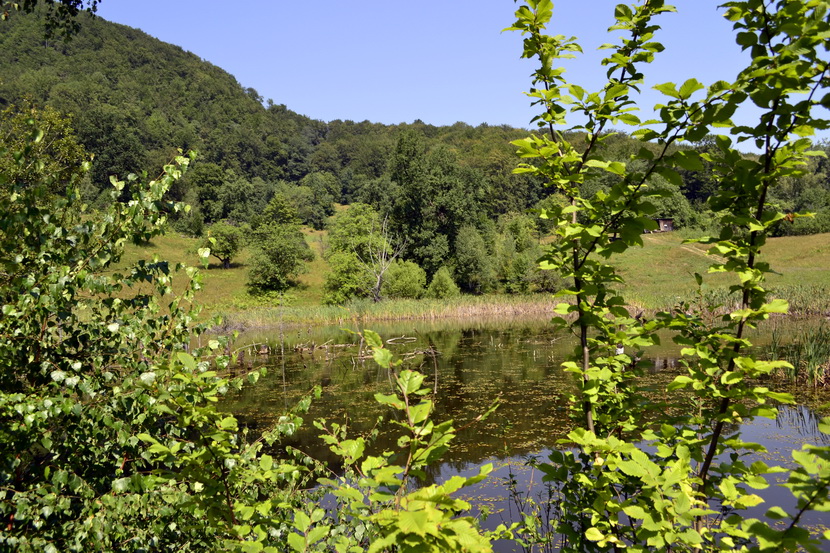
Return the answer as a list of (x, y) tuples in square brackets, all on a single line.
[(190, 223), (242, 199), (475, 272), (279, 211), (279, 257), (346, 279), (324, 190), (224, 242), (361, 251), (629, 483), (352, 236), (206, 179), (436, 197), (107, 131), (53, 149)]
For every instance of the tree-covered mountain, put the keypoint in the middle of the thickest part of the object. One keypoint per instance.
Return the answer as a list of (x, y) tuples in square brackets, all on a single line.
[(134, 100)]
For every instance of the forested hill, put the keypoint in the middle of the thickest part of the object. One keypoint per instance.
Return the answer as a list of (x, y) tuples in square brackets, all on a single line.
[(134, 100)]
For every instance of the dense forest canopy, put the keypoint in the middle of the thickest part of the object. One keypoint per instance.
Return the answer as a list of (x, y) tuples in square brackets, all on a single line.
[(133, 101)]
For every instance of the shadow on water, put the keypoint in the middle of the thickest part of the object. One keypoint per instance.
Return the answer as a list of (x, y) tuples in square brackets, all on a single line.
[(473, 366)]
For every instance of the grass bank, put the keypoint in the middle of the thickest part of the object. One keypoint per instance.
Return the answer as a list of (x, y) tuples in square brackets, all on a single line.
[(658, 276), (661, 273)]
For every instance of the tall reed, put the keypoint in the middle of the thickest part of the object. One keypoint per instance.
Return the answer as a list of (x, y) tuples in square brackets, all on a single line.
[(505, 306), (808, 353)]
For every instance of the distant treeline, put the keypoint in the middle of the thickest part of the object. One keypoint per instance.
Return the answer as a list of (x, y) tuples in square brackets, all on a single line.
[(134, 100)]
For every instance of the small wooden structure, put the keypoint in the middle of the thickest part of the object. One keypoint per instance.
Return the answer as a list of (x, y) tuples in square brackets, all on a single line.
[(664, 225)]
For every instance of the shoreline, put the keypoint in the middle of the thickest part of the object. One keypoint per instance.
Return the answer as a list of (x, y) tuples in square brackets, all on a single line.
[(486, 307), (465, 307)]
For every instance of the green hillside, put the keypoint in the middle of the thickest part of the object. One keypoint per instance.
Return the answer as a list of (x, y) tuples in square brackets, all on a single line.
[(662, 272), (136, 99)]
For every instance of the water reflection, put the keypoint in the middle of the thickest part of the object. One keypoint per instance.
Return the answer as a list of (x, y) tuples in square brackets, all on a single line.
[(470, 366)]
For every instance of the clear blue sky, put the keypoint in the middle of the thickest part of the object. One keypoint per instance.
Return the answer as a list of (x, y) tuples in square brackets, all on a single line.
[(397, 61)]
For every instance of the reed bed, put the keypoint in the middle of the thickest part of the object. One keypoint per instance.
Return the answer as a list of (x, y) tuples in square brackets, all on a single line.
[(805, 300), (496, 306), (807, 349)]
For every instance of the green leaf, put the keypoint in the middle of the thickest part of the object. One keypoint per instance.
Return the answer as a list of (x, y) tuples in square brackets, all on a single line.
[(689, 160), (147, 378), (373, 338), (594, 534), (382, 357), (187, 360), (668, 89), (689, 87), (777, 306), (296, 542), (301, 521), (120, 485), (317, 534), (616, 167), (413, 522)]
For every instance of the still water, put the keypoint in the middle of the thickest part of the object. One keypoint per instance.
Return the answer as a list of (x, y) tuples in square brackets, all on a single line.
[(470, 365)]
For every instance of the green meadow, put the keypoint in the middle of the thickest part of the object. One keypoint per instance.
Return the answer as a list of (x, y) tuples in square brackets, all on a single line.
[(657, 276)]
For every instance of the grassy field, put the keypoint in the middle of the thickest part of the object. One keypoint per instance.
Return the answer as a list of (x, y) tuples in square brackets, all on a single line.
[(657, 276), (662, 271)]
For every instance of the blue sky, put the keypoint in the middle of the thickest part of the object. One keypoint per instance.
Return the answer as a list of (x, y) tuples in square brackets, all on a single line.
[(397, 61)]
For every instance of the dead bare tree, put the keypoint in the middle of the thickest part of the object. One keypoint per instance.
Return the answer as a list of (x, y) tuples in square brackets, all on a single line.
[(380, 255)]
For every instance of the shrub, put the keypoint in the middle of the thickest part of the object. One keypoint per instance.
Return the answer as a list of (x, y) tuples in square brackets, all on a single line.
[(404, 279), (442, 286), (346, 279), (280, 253)]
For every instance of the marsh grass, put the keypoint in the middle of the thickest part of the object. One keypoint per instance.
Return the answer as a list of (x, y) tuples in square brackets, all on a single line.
[(481, 307), (808, 351)]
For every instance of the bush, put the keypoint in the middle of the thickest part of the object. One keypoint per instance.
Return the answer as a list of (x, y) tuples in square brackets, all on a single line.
[(93, 370), (279, 258), (404, 279), (347, 279), (442, 286)]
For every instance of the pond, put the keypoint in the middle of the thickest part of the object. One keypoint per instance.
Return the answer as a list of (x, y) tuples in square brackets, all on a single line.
[(471, 365)]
